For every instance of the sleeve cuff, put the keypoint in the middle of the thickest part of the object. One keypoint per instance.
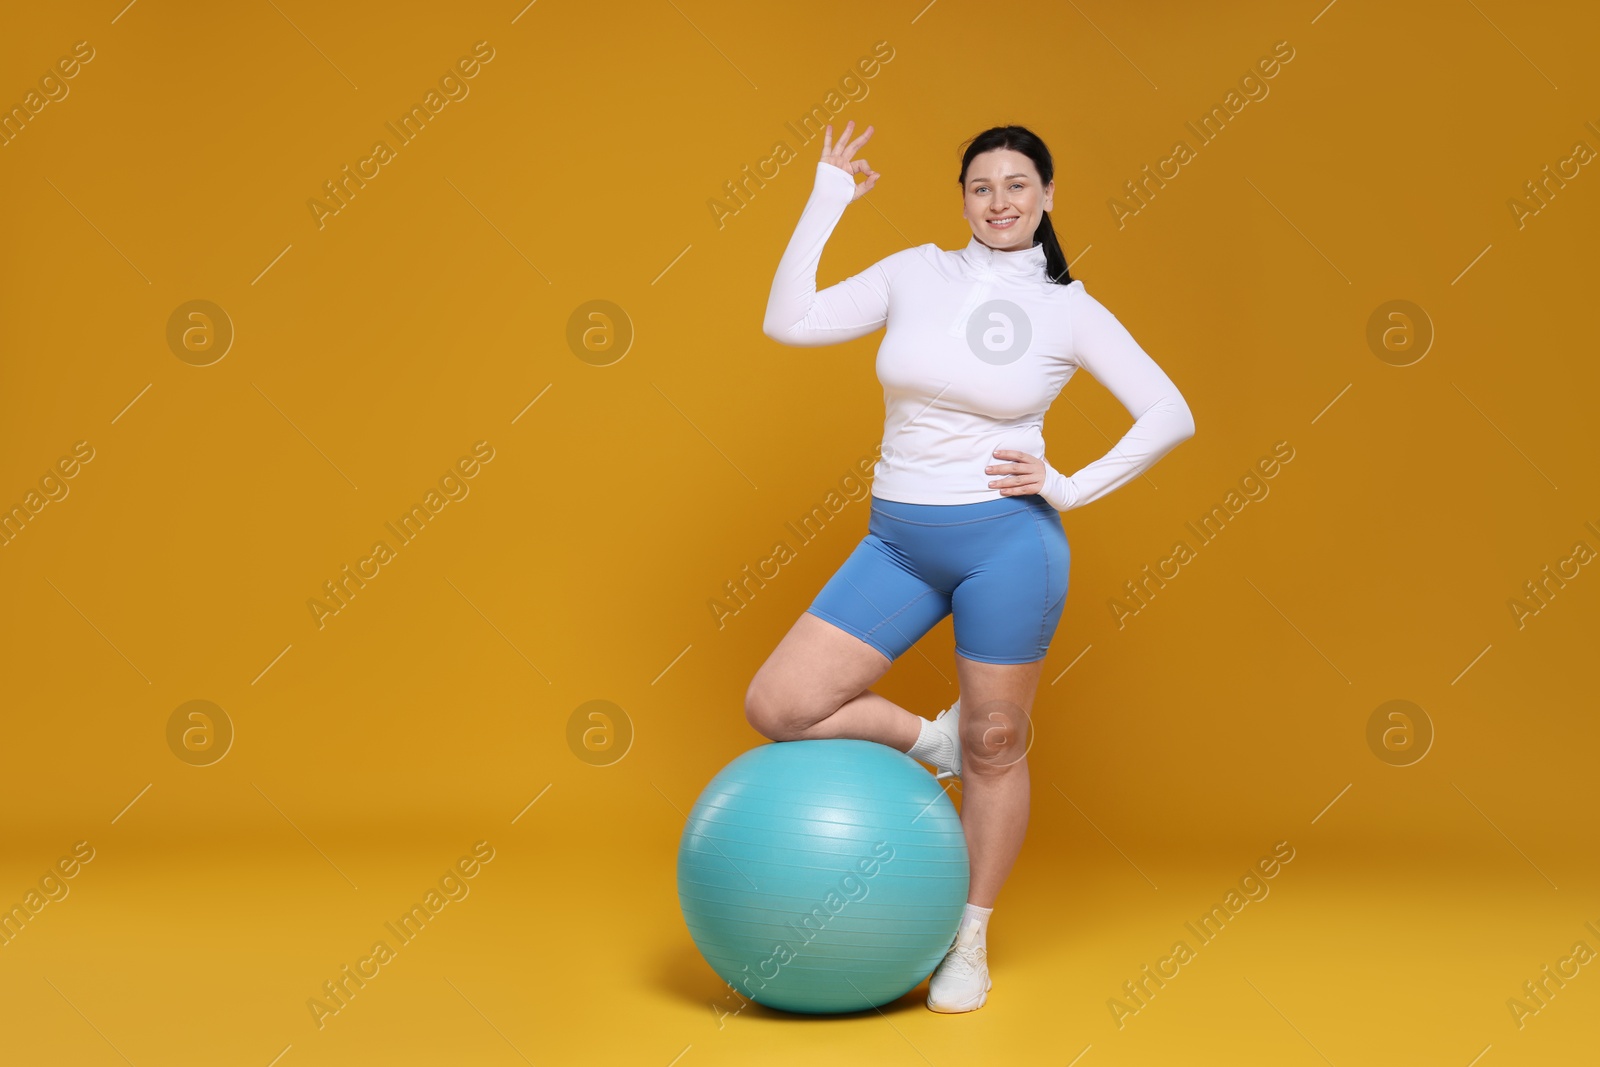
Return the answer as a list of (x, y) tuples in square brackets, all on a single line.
[(840, 179), (1058, 489)]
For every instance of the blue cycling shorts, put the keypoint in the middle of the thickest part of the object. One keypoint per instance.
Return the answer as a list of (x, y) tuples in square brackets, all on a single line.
[(999, 566)]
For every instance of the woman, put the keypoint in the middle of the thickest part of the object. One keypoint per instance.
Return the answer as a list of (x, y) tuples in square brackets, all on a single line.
[(965, 515)]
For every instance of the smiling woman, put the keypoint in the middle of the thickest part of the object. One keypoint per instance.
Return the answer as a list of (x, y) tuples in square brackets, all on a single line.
[(965, 517)]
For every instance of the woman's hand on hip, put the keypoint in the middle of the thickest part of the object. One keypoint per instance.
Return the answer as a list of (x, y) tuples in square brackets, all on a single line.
[(839, 156), (1025, 472)]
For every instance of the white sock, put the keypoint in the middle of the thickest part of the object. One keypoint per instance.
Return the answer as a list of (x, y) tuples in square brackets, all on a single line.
[(981, 917), (932, 746)]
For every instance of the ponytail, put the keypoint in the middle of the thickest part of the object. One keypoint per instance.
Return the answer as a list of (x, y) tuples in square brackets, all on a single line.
[(1055, 262)]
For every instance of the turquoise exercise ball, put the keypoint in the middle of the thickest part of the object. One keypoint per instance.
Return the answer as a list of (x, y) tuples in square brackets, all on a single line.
[(823, 876)]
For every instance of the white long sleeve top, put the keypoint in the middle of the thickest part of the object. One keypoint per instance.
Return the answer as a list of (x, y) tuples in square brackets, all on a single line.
[(979, 343)]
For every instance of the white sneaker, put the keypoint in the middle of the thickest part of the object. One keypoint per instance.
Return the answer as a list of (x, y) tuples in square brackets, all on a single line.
[(961, 982), (948, 722)]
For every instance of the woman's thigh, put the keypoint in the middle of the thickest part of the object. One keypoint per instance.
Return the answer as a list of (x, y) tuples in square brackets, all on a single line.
[(862, 620), (1009, 604), (815, 670), (999, 566), (882, 595)]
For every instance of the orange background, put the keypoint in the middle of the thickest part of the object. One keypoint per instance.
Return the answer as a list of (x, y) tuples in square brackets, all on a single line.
[(433, 311)]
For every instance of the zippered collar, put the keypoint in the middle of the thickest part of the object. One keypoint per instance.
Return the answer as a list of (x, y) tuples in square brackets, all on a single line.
[(986, 261)]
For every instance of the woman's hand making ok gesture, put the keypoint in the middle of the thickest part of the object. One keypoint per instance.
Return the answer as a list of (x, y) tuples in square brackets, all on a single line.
[(839, 156)]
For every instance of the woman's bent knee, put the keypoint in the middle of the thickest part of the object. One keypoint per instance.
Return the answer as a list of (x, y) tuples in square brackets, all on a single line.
[(769, 715)]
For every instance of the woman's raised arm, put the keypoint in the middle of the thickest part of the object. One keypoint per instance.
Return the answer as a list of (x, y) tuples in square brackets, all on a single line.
[(797, 314)]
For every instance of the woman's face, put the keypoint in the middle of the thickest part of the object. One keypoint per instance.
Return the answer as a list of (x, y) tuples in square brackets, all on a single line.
[(1003, 200)]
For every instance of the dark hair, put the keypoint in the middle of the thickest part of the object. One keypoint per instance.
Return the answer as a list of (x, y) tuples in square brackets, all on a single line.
[(1023, 140)]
